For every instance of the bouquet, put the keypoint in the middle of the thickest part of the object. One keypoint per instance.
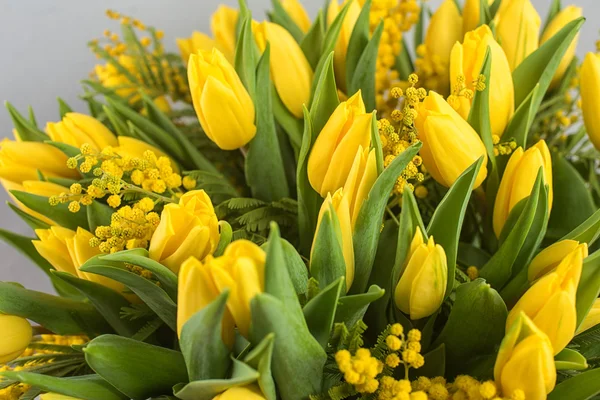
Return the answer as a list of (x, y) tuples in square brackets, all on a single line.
[(295, 209)]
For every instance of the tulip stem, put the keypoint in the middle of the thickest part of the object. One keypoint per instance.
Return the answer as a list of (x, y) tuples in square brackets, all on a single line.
[(135, 189), (393, 216), (244, 151)]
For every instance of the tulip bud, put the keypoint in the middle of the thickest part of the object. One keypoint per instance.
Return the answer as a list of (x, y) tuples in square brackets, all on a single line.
[(361, 178), (422, 286), (39, 188), (249, 392), (561, 19), (298, 14), (550, 302), (134, 148), (223, 26), (189, 228), (450, 144), (467, 62), (445, 29), (341, 47), (590, 97), (517, 29), (548, 259), (221, 101), (471, 14), (518, 180), (332, 155), (525, 361), (16, 335), (196, 290), (77, 129), (191, 45), (339, 204), (290, 70), (591, 319)]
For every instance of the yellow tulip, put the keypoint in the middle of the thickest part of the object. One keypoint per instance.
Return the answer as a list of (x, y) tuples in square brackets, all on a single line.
[(249, 392), (191, 45), (591, 319), (590, 97), (332, 155), (67, 250), (56, 396), (298, 14), (21, 161), (189, 228), (525, 361), (518, 180), (341, 47), (221, 101), (445, 29), (134, 148), (518, 29), (550, 302), (470, 15), (450, 144), (420, 291), (223, 26), (561, 19), (196, 290), (339, 203), (76, 129), (290, 70), (40, 188), (548, 259), (16, 335), (467, 61), (361, 178)]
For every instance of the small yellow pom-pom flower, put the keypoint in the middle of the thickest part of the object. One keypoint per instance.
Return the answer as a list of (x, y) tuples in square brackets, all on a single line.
[(438, 392), (416, 346), (75, 188), (72, 162), (393, 343), (396, 329), (488, 390), (418, 396), (423, 383), (74, 206), (421, 192), (517, 395), (114, 201), (414, 335), (472, 272), (392, 360)]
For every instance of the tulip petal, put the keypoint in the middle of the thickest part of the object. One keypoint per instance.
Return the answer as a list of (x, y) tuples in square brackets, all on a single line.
[(558, 319)]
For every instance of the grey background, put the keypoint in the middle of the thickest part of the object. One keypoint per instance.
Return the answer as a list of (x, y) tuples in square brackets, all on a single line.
[(43, 54)]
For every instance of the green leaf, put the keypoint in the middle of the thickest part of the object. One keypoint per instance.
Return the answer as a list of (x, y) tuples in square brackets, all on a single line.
[(281, 17), (325, 99), (588, 231), (569, 359), (57, 314), (25, 247), (523, 118), (59, 213), (475, 325), (265, 173), (469, 255), (359, 40), (151, 294), (205, 354), (89, 387), (447, 220), (554, 9), (242, 375), (295, 265), (260, 359), (435, 363), (484, 15), (579, 387), (30, 220), (98, 214), (419, 35), (404, 62), (312, 42), (368, 223), (363, 78), (117, 122), (225, 238), (327, 262), (246, 56), (351, 309), (107, 301), (288, 121), (320, 311), (589, 286), (138, 369), (63, 107), (298, 359), (27, 131)]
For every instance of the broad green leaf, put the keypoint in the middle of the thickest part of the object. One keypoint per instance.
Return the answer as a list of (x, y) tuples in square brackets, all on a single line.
[(59, 213), (281, 17), (265, 173), (320, 311), (523, 118), (358, 41), (363, 78), (368, 224), (419, 35), (589, 286), (260, 358), (588, 231), (351, 309), (246, 56), (25, 247), (295, 265), (376, 143), (325, 100), (57, 314), (27, 131), (98, 214), (435, 363), (33, 222), (312, 42), (470, 255), (288, 121), (327, 262), (89, 387), (225, 238), (205, 354), (117, 122), (447, 220), (554, 9), (138, 369), (63, 107), (569, 359), (485, 15), (583, 386), (404, 62), (475, 325)]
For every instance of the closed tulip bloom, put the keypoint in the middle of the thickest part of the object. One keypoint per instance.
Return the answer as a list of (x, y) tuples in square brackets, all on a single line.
[(467, 61), (589, 86), (298, 14), (450, 144), (445, 29), (221, 101), (525, 361), (290, 70), (361, 178), (341, 47), (519, 178), (333, 153), (591, 319), (471, 15), (39, 188), (187, 229), (548, 259), (196, 290), (56, 396), (561, 19), (223, 26), (249, 392), (339, 203), (16, 335), (422, 286), (517, 29), (191, 45), (76, 129), (550, 302)]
